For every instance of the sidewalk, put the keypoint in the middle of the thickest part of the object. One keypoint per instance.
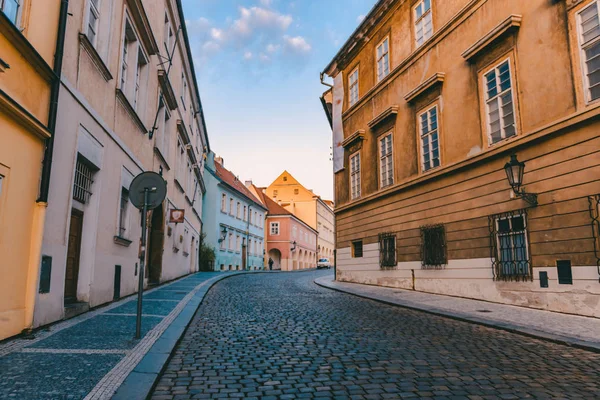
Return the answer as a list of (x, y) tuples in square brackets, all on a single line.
[(572, 330), (90, 356)]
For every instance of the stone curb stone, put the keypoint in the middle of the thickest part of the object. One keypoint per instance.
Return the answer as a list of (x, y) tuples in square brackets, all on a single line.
[(328, 283)]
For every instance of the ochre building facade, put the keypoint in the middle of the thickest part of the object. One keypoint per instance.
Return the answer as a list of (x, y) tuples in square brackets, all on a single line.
[(430, 100)]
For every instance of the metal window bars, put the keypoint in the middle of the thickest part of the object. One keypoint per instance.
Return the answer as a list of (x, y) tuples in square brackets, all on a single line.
[(387, 250), (434, 249), (509, 245), (594, 202), (82, 185)]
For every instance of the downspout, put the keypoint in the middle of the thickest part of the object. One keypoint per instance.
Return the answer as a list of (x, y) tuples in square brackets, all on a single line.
[(248, 235), (39, 213)]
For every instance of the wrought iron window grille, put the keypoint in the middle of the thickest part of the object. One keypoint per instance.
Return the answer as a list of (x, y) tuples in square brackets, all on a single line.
[(82, 184), (434, 249), (594, 202), (357, 249), (509, 245), (387, 250)]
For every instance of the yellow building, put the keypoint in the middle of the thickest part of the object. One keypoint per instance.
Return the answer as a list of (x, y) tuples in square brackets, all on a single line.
[(28, 38), (307, 206)]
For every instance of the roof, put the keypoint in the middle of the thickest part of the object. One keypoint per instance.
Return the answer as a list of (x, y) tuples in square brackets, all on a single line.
[(272, 206), (230, 179)]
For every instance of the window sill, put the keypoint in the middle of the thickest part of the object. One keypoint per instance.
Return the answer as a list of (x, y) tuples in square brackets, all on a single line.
[(84, 42), (121, 241), (131, 111), (160, 155)]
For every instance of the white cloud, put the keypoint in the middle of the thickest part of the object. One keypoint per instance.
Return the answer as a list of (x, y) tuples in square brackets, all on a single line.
[(266, 3), (248, 55), (272, 48), (296, 44), (257, 19)]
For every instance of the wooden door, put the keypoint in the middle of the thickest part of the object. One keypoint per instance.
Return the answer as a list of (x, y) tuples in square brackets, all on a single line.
[(73, 255)]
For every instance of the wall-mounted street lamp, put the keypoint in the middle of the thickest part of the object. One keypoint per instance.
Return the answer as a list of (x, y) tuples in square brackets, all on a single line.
[(514, 172), (294, 246), (223, 235)]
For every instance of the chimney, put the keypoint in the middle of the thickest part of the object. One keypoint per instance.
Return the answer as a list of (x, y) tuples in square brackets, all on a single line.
[(220, 161), (248, 183)]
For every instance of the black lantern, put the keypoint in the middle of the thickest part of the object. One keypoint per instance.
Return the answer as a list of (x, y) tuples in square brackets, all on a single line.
[(515, 170), (223, 235), (293, 244)]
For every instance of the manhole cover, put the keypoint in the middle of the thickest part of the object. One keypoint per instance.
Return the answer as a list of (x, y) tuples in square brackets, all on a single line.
[(484, 311)]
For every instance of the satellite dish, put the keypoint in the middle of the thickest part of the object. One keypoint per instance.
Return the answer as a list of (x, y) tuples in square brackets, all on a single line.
[(156, 190)]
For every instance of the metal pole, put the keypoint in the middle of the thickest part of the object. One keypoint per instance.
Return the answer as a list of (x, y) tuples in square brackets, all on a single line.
[(138, 322)]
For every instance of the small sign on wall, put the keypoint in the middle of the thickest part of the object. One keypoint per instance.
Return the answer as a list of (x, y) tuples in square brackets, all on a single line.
[(176, 216)]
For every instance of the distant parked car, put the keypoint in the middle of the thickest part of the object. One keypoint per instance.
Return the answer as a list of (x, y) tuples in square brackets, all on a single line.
[(323, 263)]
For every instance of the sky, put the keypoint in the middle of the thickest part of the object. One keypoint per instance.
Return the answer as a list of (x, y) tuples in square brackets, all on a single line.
[(258, 65)]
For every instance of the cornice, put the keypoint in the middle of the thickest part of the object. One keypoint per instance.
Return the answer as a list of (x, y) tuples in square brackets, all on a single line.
[(89, 48), (393, 110), (22, 116), (430, 83), (20, 42), (509, 25), (167, 89), (358, 135), (138, 13), (183, 132)]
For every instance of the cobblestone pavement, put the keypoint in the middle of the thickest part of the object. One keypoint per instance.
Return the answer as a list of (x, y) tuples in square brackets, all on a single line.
[(280, 336), (90, 355)]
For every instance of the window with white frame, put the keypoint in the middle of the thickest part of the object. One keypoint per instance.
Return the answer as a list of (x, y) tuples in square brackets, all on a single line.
[(231, 206), (353, 86), (168, 34), (255, 218), (274, 228), (386, 161), (123, 212), (237, 243), (245, 213), (511, 246), (423, 22), (12, 10), (93, 18), (383, 59), (430, 143), (230, 242), (133, 80), (589, 27), (184, 89), (355, 176), (222, 244), (224, 202), (139, 71), (238, 210), (124, 63), (500, 107)]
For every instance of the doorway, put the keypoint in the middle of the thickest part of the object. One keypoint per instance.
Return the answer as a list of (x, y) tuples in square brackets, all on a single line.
[(156, 245), (73, 256), (244, 261), (275, 255)]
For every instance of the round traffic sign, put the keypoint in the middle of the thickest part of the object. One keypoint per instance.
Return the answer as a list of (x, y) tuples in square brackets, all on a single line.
[(155, 186)]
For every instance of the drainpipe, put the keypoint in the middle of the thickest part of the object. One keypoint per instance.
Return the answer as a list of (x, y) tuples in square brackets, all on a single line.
[(248, 235), (53, 112), (39, 213)]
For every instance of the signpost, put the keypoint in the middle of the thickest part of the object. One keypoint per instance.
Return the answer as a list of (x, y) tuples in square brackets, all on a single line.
[(147, 191)]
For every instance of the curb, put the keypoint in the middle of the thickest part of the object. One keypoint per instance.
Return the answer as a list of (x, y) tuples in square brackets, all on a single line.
[(520, 330), (141, 381)]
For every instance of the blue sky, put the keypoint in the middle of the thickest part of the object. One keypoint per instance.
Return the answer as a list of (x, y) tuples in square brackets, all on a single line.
[(258, 64)]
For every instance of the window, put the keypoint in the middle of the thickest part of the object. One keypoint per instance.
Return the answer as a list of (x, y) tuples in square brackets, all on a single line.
[(162, 132), (353, 86), (92, 22), (11, 9), (285, 178), (274, 228), (124, 61), (387, 250), (355, 176), (141, 63), (245, 213), (433, 246), (430, 143), (230, 242), (255, 218), (589, 26), (237, 243), (184, 89), (123, 212), (499, 103), (224, 202), (383, 59), (386, 162), (238, 210), (230, 206), (275, 192), (510, 246), (357, 249), (168, 34), (296, 191), (423, 22), (82, 185), (222, 244)]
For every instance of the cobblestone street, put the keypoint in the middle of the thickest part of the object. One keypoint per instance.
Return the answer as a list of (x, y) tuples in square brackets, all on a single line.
[(280, 336)]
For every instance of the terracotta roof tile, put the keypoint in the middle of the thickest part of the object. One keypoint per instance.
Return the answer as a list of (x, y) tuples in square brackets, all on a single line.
[(229, 178)]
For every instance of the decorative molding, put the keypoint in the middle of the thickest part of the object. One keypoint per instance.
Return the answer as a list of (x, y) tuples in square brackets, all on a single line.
[(183, 132), (430, 83), (121, 241), (167, 89), (131, 111), (162, 158), (393, 110), (510, 24), (89, 48), (141, 21), (179, 186), (572, 3), (358, 135), (22, 116), (3, 65)]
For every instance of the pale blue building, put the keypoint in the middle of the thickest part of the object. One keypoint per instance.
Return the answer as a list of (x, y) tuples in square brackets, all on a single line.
[(234, 220)]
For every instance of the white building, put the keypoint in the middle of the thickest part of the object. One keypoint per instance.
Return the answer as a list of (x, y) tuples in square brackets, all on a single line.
[(126, 106)]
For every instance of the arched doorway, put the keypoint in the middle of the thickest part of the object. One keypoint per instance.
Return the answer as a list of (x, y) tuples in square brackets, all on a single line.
[(275, 255), (156, 244)]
